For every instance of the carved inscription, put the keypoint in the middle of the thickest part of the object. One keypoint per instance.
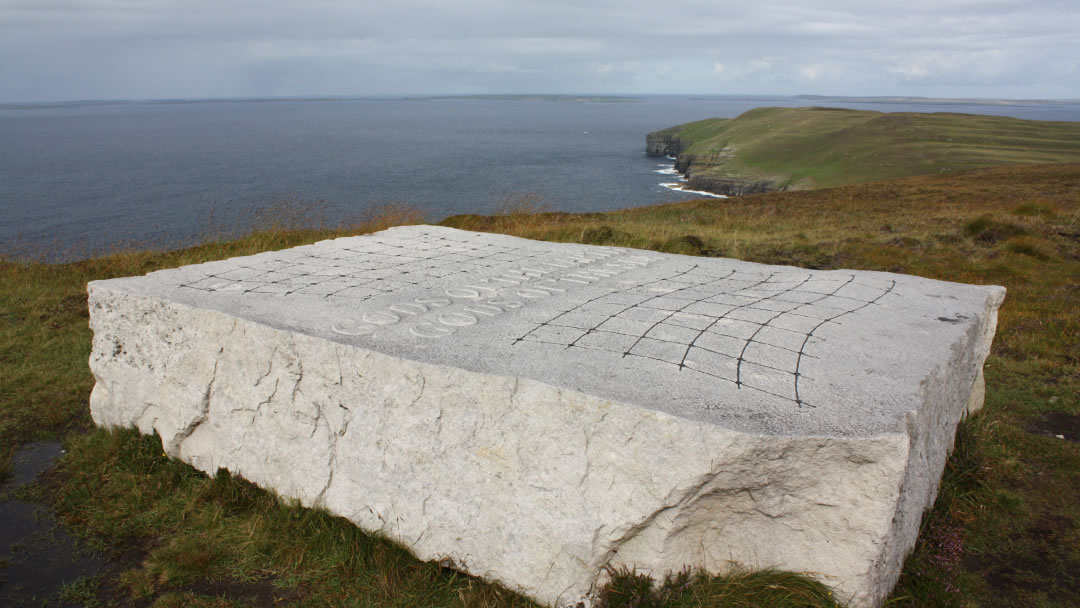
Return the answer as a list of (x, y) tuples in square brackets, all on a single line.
[(478, 299), (495, 278), (361, 271)]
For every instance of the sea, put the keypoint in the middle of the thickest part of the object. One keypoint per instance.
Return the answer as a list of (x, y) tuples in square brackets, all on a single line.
[(84, 178)]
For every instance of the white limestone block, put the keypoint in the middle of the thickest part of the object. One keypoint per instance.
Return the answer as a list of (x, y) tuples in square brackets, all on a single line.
[(535, 413)]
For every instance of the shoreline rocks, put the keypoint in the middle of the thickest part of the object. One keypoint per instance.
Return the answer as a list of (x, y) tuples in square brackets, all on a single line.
[(703, 175)]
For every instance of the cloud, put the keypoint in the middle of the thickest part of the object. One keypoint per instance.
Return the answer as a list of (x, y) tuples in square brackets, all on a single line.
[(61, 49), (810, 72), (819, 71), (829, 28), (966, 67), (759, 65), (910, 71)]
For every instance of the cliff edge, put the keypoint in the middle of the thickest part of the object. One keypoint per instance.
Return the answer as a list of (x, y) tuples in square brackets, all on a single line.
[(710, 172), (768, 149)]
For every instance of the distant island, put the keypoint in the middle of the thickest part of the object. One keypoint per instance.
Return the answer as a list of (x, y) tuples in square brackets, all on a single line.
[(556, 98), (938, 101), (40, 105), (769, 149)]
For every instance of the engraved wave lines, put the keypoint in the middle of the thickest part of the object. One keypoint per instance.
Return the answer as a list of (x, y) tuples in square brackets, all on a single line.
[(751, 330)]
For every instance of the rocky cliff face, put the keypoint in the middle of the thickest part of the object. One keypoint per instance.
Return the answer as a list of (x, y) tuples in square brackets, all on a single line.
[(705, 173), (662, 144)]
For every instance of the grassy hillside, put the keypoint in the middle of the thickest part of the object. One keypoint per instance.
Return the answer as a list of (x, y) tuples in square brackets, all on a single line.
[(798, 148), (1005, 530)]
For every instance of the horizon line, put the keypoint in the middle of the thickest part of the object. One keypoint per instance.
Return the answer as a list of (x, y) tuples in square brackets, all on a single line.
[(585, 96)]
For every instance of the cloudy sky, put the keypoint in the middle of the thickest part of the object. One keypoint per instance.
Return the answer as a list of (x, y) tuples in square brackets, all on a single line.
[(139, 49)]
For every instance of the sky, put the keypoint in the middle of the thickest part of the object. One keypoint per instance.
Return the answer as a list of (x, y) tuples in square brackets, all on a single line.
[(55, 50)]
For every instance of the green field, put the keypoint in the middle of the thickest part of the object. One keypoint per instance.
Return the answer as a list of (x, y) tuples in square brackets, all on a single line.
[(1005, 530), (800, 148)]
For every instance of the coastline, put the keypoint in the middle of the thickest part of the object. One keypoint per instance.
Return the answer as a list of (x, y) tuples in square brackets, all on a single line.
[(778, 149)]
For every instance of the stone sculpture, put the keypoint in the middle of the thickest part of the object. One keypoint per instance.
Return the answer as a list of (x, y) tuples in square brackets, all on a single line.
[(535, 413)]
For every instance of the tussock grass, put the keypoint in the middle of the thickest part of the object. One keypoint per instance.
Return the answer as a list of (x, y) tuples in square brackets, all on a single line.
[(986, 229), (1005, 530), (739, 589), (1036, 208)]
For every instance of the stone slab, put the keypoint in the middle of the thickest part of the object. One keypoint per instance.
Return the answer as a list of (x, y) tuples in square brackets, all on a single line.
[(536, 413)]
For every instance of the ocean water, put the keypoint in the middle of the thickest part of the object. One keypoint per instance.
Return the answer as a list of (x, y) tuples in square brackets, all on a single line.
[(78, 179)]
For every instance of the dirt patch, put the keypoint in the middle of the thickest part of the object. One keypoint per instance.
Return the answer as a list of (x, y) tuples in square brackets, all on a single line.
[(1058, 424), (1046, 567), (258, 593), (1072, 236), (133, 552)]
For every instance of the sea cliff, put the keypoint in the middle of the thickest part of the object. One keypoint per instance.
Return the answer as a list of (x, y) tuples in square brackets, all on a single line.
[(769, 149), (662, 143), (708, 172)]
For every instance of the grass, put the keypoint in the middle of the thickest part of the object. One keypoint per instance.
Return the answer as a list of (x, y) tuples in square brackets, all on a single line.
[(739, 589), (1003, 532), (821, 147)]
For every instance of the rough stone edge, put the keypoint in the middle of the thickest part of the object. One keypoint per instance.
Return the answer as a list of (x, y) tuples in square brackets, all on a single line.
[(682, 506), (946, 404)]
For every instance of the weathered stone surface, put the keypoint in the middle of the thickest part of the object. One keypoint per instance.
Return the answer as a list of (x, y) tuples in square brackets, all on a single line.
[(533, 412)]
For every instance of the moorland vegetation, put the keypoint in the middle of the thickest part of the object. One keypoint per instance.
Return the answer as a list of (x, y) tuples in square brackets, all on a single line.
[(768, 149)]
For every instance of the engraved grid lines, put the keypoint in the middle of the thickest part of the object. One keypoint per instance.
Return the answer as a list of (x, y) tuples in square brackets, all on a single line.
[(364, 271), (749, 330)]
